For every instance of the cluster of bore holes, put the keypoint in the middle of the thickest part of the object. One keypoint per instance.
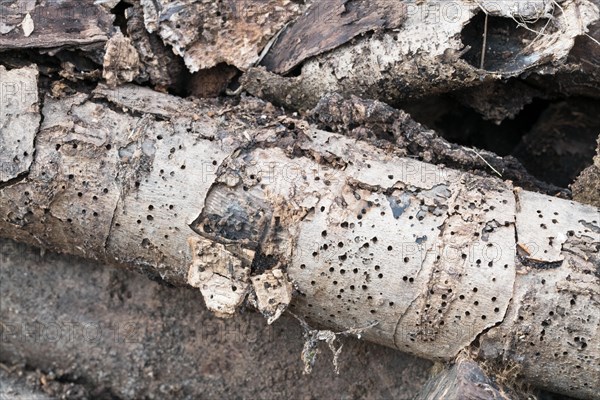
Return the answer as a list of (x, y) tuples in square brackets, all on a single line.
[(543, 225), (408, 279), (104, 191), (150, 217)]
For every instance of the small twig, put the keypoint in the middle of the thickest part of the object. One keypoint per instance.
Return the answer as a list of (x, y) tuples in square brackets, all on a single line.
[(224, 111), (592, 39), (485, 161), (235, 92), (485, 29), (541, 32), (484, 45)]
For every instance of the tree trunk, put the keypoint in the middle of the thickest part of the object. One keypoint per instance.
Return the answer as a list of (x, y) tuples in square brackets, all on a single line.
[(248, 205)]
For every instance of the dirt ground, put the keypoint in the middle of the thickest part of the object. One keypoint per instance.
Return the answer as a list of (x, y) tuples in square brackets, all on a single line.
[(77, 329)]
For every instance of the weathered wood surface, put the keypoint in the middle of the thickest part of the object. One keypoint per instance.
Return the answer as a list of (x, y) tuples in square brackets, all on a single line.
[(50, 24), (425, 259), (377, 122), (265, 210), (438, 48), (19, 121), (330, 24), (206, 33)]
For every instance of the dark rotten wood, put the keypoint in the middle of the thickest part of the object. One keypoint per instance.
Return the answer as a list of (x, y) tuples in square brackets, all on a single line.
[(327, 25), (55, 24)]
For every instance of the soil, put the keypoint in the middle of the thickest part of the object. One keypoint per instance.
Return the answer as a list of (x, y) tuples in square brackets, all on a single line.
[(76, 329)]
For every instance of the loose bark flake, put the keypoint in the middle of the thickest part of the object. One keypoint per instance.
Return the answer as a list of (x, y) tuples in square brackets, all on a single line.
[(208, 33), (221, 276), (121, 61), (19, 121), (273, 293)]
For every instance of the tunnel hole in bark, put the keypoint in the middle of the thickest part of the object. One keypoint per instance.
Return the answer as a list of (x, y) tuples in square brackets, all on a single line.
[(212, 82)]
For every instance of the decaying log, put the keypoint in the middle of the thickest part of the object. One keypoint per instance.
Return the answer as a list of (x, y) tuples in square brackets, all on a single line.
[(248, 207), (381, 124), (438, 48), (407, 49)]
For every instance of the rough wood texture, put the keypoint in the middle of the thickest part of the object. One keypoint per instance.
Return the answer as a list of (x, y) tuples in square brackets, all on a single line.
[(163, 69), (327, 25), (206, 33), (586, 188), (121, 61), (53, 24), (19, 121), (382, 125), (421, 258), (436, 50)]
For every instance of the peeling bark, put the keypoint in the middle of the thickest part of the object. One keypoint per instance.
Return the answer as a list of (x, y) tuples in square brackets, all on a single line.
[(19, 121), (208, 33), (161, 67), (433, 260), (326, 26), (121, 61)]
